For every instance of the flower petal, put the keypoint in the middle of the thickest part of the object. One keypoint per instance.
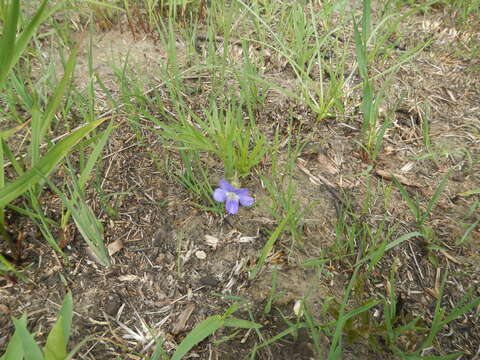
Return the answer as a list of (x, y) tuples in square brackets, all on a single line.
[(246, 200), (220, 195), (231, 206), (225, 185), (241, 192)]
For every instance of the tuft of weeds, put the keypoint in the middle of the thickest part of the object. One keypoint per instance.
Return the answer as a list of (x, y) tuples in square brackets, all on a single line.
[(23, 345), (422, 216), (204, 329), (221, 131), (195, 179), (282, 189), (40, 158)]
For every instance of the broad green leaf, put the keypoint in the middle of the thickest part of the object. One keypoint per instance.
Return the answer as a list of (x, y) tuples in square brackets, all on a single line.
[(57, 341), (14, 349), (206, 328), (45, 166), (56, 347), (30, 347)]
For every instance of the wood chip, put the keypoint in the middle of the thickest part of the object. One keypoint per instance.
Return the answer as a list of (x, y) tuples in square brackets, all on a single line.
[(129, 277), (115, 247), (211, 241), (201, 255)]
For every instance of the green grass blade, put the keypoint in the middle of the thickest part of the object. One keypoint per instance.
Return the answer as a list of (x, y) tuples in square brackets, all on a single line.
[(87, 224), (460, 310), (7, 41), (104, 4), (6, 133), (360, 52), (29, 31), (389, 246), (57, 341), (2, 177), (159, 352), (36, 130), (469, 192), (467, 232), (335, 346), (280, 335), (90, 228), (268, 247), (76, 348), (436, 196), (45, 166), (366, 21), (368, 305), (240, 323), (206, 328), (9, 154), (411, 204), (58, 94), (92, 160)]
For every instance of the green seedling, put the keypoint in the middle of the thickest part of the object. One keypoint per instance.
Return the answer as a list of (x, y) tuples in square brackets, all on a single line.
[(206, 328), (422, 216), (22, 344)]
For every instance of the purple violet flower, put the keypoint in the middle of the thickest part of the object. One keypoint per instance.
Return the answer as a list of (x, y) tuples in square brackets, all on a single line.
[(232, 196)]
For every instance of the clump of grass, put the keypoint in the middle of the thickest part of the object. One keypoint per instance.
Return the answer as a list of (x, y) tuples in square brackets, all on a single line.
[(31, 167), (422, 216), (23, 345)]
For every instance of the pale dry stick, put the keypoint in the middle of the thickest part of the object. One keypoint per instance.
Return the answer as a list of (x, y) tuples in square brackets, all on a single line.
[(415, 260), (167, 307), (60, 306)]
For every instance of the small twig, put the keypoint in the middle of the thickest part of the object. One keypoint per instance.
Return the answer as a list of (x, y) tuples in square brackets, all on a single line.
[(415, 260)]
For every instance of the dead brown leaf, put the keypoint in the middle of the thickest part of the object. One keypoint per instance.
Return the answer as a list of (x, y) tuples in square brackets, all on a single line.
[(180, 325), (388, 175), (115, 247)]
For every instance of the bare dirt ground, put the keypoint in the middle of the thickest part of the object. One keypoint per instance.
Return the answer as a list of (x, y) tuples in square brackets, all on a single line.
[(158, 282)]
